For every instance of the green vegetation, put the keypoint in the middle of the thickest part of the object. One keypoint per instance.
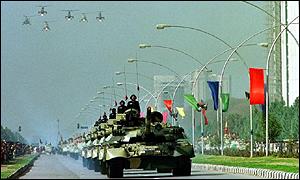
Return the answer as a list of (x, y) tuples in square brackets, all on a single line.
[(15, 164), (8, 135), (273, 163), (283, 120)]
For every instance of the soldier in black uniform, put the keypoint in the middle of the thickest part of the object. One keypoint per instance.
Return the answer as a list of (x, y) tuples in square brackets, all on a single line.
[(134, 104), (104, 118), (113, 114), (122, 107)]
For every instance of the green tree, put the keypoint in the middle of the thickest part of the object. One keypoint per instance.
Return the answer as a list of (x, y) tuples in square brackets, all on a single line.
[(276, 114), (294, 111)]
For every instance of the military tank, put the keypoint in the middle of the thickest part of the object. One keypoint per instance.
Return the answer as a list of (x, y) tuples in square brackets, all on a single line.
[(145, 143)]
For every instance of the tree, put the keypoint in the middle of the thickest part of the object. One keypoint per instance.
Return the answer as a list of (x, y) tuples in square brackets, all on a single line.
[(294, 110), (276, 114)]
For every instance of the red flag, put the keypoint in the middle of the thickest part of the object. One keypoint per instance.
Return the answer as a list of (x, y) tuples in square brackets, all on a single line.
[(257, 95), (165, 117), (168, 104), (205, 117)]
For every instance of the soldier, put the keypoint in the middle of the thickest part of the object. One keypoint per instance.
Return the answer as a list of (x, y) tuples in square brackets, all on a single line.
[(134, 104), (104, 118), (122, 107), (112, 115)]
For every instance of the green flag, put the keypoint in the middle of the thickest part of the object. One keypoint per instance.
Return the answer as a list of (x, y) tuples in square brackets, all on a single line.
[(225, 101), (191, 100)]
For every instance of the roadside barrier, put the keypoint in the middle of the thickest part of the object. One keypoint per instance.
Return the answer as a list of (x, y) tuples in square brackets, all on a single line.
[(264, 173)]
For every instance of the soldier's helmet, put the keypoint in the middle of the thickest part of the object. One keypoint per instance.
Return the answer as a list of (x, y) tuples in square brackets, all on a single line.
[(133, 97), (122, 102)]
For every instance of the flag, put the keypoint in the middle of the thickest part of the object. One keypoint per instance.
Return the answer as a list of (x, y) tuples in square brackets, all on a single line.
[(214, 88), (168, 104), (116, 103), (142, 114), (165, 117), (226, 128), (263, 106), (247, 94), (225, 101), (41, 141), (257, 95), (191, 100), (181, 111), (204, 115), (126, 97)]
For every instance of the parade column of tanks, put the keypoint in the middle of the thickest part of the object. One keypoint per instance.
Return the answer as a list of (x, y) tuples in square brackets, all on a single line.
[(139, 143), (131, 142)]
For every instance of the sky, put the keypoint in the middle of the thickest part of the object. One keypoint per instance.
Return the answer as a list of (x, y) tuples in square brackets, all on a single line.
[(46, 76)]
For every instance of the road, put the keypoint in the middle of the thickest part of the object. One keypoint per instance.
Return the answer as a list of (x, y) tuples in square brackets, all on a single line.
[(64, 167)]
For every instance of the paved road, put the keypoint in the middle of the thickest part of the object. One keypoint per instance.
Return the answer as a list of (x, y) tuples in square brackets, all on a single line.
[(64, 167)]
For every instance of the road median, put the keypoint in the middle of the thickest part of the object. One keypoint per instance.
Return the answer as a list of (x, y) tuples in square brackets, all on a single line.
[(18, 166), (265, 167)]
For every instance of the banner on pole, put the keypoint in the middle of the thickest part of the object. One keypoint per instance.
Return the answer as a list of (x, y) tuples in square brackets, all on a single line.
[(225, 101), (214, 88), (257, 95)]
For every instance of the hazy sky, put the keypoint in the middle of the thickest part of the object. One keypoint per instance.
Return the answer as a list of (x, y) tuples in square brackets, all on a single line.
[(47, 76)]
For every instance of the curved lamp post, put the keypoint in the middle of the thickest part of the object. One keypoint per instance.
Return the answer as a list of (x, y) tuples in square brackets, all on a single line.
[(131, 60), (286, 41), (267, 73), (267, 13), (143, 46), (163, 26), (120, 84)]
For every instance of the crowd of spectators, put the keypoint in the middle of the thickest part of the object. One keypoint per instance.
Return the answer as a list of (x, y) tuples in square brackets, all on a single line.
[(11, 150)]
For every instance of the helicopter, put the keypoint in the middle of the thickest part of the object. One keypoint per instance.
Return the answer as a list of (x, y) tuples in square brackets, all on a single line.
[(42, 12), (69, 16), (83, 18), (27, 20), (46, 26), (100, 18)]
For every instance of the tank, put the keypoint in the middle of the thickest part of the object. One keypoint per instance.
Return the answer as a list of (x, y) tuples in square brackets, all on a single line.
[(96, 136), (145, 143)]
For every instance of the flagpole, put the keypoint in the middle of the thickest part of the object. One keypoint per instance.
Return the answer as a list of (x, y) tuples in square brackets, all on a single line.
[(221, 118), (251, 132), (193, 127), (201, 124), (267, 86)]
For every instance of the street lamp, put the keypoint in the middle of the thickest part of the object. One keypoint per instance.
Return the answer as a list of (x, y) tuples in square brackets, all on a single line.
[(131, 60), (163, 26), (143, 46), (120, 84), (267, 72)]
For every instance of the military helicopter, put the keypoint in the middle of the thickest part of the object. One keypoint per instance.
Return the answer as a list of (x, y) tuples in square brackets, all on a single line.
[(27, 20), (100, 18), (83, 18), (42, 12), (69, 16), (46, 26)]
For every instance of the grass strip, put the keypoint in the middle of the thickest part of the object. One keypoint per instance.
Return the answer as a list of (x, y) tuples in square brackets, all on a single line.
[(12, 166), (272, 163)]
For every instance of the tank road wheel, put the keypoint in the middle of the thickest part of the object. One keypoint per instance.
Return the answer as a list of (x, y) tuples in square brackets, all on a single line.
[(115, 168), (164, 170), (84, 161), (103, 168), (184, 165), (96, 164)]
